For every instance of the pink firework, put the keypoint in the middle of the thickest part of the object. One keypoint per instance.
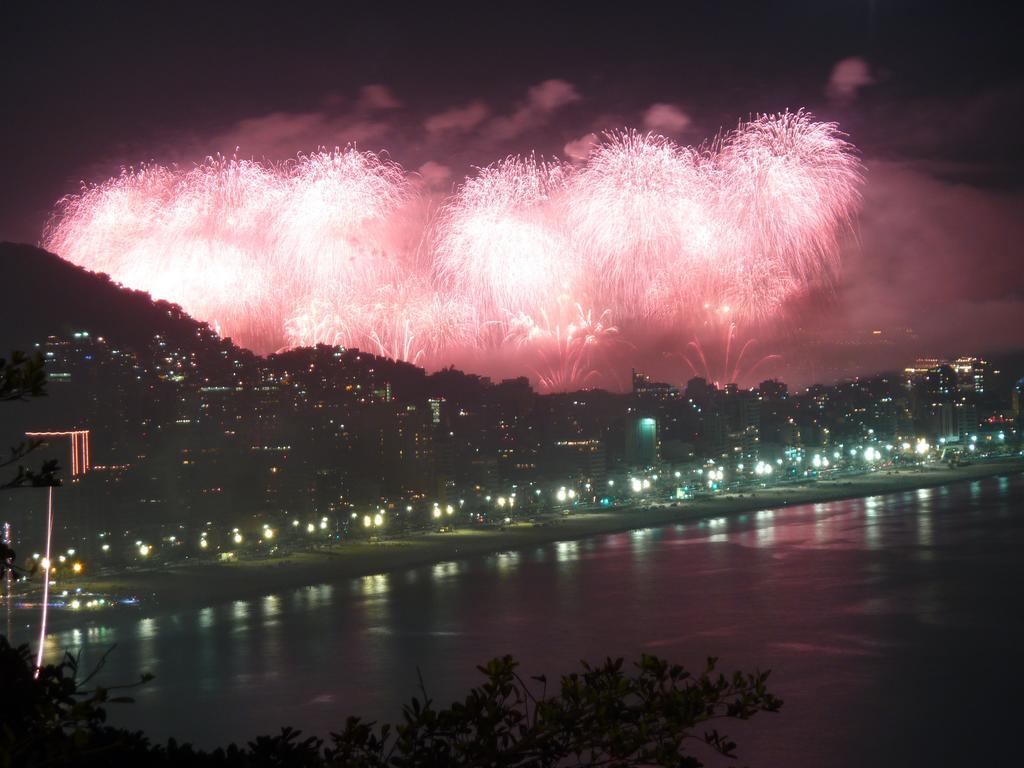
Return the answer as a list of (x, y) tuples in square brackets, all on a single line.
[(719, 353), (408, 320), (789, 187), (240, 244), (638, 212), (334, 225), (334, 247), (500, 241), (402, 318), (750, 221), (568, 350), (317, 321)]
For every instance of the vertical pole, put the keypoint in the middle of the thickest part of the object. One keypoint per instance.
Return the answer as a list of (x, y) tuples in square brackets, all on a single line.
[(46, 579), (8, 580)]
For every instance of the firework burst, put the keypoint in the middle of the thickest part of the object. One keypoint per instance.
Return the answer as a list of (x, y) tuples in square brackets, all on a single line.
[(332, 247), (500, 242)]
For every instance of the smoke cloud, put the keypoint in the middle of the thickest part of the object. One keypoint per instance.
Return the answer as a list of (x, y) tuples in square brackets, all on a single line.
[(848, 77), (666, 118)]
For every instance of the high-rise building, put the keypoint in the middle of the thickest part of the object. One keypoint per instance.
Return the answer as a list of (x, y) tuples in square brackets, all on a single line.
[(642, 442), (971, 374), (435, 409), (916, 373)]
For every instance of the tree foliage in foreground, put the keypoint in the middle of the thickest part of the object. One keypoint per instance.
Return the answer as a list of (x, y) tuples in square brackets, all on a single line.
[(23, 377), (610, 714)]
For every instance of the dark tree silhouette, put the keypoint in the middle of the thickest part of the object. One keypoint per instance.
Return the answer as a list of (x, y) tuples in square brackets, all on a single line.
[(609, 714), (23, 377)]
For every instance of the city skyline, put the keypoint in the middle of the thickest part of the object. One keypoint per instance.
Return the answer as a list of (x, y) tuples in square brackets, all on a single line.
[(343, 432)]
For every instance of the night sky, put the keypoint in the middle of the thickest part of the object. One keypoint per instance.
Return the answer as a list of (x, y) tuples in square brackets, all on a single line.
[(931, 94)]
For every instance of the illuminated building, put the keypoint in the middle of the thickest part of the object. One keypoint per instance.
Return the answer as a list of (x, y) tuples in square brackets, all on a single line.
[(435, 409), (642, 442), (583, 459), (971, 374), (917, 372)]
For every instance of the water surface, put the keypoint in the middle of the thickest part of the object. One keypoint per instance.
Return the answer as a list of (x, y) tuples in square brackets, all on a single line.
[(893, 626)]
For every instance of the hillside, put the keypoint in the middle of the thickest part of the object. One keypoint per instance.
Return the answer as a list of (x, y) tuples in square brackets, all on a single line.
[(41, 294)]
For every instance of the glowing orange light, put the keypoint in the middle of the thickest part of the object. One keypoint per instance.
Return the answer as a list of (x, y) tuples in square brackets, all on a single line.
[(79, 447)]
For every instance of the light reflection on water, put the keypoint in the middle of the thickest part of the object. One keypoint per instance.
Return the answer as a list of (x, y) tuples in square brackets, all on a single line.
[(854, 604), (566, 551), (507, 562), (375, 585)]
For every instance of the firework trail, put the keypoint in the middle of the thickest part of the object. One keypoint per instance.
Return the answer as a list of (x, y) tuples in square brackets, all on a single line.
[(567, 351), (46, 580), (318, 249), (718, 353), (316, 322), (404, 319)]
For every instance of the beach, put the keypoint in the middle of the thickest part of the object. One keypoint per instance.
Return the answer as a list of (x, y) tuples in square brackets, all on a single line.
[(194, 585)]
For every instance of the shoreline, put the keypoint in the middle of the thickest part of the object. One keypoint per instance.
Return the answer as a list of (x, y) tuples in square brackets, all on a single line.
[(202, 585)]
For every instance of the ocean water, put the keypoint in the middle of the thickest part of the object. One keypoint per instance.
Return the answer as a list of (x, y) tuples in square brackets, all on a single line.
[(893, 627)]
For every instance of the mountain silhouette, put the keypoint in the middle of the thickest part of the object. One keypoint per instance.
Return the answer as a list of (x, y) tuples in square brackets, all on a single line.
[(43, 295)]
